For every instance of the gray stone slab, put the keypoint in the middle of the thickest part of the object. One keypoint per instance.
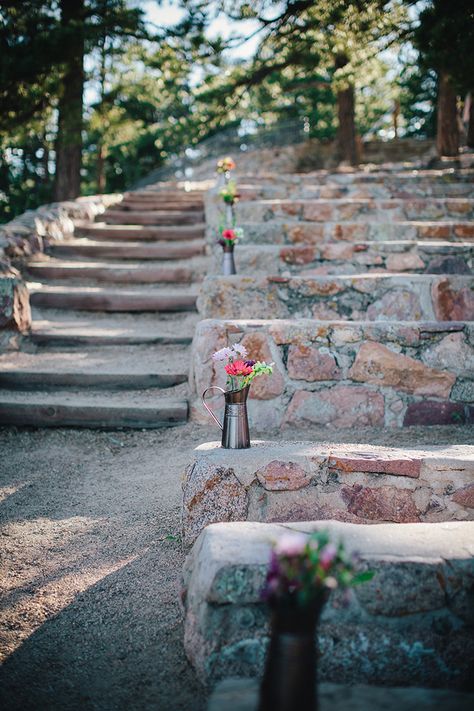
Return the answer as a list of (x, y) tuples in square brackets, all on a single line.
[(242, 695)]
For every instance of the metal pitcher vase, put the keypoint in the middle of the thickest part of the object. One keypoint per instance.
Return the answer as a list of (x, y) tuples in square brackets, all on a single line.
[(228, 264), (235, 428)]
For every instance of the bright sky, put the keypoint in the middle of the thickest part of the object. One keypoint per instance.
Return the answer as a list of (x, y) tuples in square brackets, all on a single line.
[(169, 12)]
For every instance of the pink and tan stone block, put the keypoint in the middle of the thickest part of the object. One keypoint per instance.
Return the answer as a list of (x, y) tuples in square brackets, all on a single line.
[(345, 374), (301, 481)]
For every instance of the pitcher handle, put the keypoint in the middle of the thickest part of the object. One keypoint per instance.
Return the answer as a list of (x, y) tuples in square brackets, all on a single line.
[(212, 387)]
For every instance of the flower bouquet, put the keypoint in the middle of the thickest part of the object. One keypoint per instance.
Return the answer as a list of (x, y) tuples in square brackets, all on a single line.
[(229, 193), (302, 572), (225, 165), (228, 239), (240, 373)]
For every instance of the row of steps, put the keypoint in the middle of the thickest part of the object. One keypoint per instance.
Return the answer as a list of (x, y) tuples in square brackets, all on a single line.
[(114, 311)]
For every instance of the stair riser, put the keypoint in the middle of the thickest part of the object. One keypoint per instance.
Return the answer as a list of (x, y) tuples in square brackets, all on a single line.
[(155, 205), (354, 211), (350, 258), (382, 297), (116, 276), (58, 340), (123, 252), (150, 234), (52, 381), (91, 417), (118, 303), (151, 218), (319, 233)]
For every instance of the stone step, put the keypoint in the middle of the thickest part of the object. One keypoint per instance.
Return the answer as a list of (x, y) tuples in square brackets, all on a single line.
[(126, 250), (95, 410), (386, 190), (325, 177), (352, 210), (354, 257), (100, 230), (342, 374), (124, 368), (177, 195), (300, 481), (163, 204), (236, 694), (411, 624), (372, 296), (128, 273), (101, 299), (305, 232), (56, 328), (153, 217)]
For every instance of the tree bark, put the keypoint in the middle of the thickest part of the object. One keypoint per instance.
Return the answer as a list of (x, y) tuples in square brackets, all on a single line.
[(447, 132), (346, 137), (470, 125), (67, 183)]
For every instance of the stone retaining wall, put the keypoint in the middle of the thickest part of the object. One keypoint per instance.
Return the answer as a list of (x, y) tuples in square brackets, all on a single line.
[(352, 258), (28, 234), (300, 481), (412, 624), (372, 297), (345, 374)]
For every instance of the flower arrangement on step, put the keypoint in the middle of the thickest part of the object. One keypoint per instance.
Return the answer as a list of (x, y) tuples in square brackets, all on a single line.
[(241, 371), (303, 570), (229, 234), (229, 193), (225, 165)]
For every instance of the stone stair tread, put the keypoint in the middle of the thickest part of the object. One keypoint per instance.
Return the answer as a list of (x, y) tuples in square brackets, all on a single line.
[(128, 249), (150, 408), (149, 359), (152, 217), (56, 269), (152, 298), (101, 230), (51, 326)]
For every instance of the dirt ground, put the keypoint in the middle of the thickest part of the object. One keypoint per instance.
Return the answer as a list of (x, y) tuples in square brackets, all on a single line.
[(91, 559)]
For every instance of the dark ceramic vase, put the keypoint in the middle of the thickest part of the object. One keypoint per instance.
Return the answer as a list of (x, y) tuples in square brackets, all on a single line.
[(290, 676)]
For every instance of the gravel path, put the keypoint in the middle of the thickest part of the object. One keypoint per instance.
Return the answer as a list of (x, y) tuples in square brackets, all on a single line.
[(91, 562)]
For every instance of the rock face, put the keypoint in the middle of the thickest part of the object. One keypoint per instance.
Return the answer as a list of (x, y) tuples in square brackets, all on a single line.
[(298, 481), (15, 313), (410, 625), (373, 297), (344, 374), (379, 365)]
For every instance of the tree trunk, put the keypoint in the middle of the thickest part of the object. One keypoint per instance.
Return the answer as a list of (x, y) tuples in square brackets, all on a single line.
[(100, 168), (346, 138), (447, 134), (69, 139), (470, 125)]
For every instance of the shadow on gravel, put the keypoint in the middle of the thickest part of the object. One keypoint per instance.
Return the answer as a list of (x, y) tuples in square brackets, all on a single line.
[(113, 648)]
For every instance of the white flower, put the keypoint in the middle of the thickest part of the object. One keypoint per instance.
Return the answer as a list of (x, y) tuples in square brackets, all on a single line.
[(291, 544), (223, 354), (240, 350)]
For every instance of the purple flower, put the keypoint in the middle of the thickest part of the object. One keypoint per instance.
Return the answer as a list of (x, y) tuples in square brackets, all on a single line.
[(250, 363), (327, 555)]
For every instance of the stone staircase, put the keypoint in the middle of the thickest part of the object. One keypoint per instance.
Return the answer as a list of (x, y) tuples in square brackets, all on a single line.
[(333, 274), (114, 310)]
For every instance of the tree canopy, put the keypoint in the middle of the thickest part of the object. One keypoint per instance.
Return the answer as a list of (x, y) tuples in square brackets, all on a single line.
[(95, 94)]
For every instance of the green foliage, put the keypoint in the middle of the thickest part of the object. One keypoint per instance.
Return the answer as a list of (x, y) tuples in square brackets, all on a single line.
[(445, 38)]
